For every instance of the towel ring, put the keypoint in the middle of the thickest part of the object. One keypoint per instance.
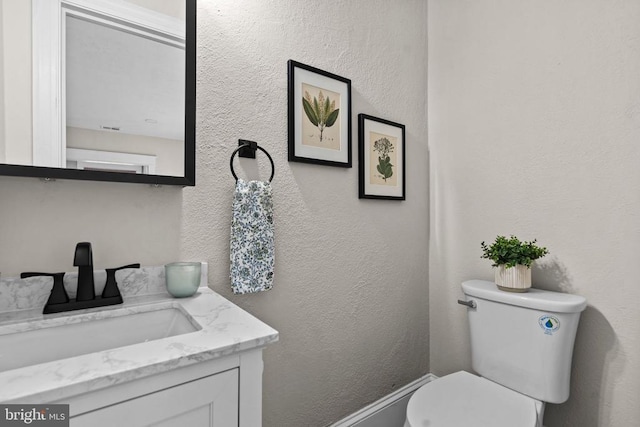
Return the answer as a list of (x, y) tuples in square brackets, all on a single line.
[(251, 146)]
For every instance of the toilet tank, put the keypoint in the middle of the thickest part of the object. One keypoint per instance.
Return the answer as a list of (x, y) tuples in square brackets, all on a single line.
[(524, 341)]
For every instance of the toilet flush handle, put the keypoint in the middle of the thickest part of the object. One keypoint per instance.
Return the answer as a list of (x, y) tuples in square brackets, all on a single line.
[(470, 304)]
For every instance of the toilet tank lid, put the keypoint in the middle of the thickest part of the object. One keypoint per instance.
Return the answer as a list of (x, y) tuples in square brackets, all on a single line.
[(537, 299)]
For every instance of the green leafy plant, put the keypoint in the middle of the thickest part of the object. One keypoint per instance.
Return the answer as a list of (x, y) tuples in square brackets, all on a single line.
[(320, 111), (511, 252), (384, 167)]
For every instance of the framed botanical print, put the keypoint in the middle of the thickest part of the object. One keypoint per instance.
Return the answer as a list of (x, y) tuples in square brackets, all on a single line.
[(381, 158), (319, 116)]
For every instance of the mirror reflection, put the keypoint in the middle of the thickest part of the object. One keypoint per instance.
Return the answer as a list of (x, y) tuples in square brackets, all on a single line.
[(109, 96), (123, 90)]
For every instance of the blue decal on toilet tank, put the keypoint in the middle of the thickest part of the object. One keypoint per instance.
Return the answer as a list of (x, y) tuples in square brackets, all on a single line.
[(549, 324)]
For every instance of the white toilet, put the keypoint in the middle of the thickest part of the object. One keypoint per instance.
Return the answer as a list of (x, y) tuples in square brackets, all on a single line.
[(521, 344)]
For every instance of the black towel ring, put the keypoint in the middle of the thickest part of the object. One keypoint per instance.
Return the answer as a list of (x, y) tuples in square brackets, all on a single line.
[(251, 146)]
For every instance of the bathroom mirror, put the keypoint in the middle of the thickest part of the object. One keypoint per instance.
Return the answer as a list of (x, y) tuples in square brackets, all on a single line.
[(99, 90)]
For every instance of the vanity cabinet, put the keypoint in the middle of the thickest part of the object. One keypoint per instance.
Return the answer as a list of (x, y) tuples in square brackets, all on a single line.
[(224, 392), (210, 401), (208, 374)]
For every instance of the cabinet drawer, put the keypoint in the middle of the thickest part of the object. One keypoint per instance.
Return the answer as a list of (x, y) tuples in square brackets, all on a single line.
[(208, 401)]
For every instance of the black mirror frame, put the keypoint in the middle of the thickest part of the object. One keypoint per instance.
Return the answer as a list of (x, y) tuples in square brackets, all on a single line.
[(189, 178)]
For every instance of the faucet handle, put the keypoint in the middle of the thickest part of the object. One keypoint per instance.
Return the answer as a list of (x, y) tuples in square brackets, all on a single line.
[(111, 287), (58, 292)]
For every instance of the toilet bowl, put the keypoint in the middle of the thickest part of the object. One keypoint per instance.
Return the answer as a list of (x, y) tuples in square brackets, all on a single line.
[(521, 346), (462, 399)]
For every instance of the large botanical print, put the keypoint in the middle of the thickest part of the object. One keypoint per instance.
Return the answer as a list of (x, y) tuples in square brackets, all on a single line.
[(381, 165), (319, 116)]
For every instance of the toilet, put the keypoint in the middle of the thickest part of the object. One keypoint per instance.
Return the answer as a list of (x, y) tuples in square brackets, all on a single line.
[(521, 348)]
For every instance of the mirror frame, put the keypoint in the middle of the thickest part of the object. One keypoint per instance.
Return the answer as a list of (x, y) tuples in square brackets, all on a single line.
[(189, 178)]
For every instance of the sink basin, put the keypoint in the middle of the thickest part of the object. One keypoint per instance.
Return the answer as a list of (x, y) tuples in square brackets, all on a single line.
[(64, 337)]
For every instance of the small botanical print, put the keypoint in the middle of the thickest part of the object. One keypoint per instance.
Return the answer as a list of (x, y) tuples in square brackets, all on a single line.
[(320, 124), (383, 149), (381, 158)]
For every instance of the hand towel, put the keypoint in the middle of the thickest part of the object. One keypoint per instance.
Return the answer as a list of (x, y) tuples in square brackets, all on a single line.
[(252, 242)]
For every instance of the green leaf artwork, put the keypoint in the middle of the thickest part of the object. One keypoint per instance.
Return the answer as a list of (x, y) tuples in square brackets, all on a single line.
[(384, 167), (320, 111)]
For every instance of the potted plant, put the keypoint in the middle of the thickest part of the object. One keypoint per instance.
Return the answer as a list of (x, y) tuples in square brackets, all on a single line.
[(512, 259)]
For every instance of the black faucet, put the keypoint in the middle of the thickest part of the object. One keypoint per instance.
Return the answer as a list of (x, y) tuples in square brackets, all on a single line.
[(83, 259), (86, 295)]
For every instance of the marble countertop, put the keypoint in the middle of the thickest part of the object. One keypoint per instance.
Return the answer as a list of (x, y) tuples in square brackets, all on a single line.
[(225, 330)]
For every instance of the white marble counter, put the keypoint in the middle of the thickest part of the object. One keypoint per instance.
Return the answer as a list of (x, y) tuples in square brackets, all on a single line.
[(226, 329)]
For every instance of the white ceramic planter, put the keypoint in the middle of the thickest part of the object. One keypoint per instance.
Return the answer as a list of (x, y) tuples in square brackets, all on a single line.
[(514, 279)]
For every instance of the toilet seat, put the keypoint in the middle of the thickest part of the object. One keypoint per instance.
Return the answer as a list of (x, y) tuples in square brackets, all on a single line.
[(466, 400)]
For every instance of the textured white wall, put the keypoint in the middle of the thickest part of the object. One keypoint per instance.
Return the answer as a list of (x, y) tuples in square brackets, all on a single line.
[(534, 123), (350, 297)]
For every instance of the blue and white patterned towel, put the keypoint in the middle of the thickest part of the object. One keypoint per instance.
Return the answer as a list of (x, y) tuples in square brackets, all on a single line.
[(252, 247)]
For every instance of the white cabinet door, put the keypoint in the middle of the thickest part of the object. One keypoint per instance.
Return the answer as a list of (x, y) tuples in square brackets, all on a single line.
[(208, 402)]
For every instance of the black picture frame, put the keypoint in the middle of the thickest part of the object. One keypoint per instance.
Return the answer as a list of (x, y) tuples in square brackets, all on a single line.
[(310, 93), (385, 179)]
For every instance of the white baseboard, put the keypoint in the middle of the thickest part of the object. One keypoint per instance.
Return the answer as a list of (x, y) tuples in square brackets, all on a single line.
[(380, 404)]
